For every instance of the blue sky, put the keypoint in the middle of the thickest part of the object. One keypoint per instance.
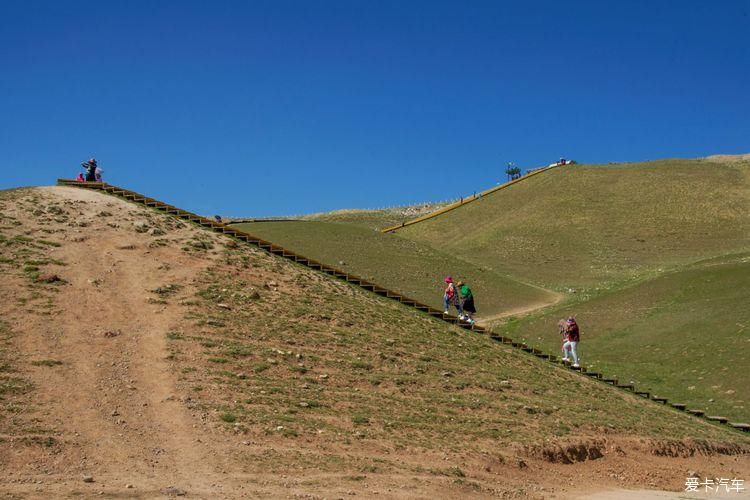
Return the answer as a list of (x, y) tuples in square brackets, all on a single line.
[(278, 107)]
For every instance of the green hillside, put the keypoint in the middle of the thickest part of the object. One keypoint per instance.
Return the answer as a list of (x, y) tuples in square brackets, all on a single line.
[(588, 226), (405, 266), (623, 237), (376, 219), (685, 335), (330, 364)]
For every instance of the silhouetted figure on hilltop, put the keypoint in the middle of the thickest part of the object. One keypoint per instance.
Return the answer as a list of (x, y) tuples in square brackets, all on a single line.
[(90, 167)]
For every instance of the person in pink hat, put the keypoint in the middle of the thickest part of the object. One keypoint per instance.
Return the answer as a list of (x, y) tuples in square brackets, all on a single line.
[(450, 297)]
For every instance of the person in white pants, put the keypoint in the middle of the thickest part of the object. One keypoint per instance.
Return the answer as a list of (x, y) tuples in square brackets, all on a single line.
[(571, 343)]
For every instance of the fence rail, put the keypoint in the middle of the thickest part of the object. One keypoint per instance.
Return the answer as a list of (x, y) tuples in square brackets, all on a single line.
[(468, 199)]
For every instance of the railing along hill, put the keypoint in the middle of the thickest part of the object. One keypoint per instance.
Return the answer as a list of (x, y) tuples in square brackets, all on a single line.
[(468, 199)]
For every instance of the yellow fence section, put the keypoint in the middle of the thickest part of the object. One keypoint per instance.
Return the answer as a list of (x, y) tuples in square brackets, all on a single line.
[(469, 199)]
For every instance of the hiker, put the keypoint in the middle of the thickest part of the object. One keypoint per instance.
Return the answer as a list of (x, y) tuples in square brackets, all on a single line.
[(80, 177), (450, 297), (98, 174), (572, 337), (563, 335), (90, 167), (561, 329), (217, 218), (467, 302)]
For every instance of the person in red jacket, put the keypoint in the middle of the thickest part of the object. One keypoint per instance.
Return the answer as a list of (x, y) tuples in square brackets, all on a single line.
[(572, 337), (450, 297)]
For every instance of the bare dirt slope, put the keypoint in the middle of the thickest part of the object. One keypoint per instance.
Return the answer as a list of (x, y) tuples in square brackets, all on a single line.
[(102, 383), (109, 373)]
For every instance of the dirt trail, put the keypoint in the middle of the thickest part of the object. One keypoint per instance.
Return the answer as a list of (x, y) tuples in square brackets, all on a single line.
[(487, 320), (130, 380), (113, 397), (661, 495)]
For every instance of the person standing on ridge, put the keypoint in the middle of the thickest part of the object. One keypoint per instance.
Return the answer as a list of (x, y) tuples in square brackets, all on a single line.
[(90, 167), (467, 302)]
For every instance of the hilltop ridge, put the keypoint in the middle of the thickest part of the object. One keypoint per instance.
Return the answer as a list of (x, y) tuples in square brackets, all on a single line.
[(723, 158)]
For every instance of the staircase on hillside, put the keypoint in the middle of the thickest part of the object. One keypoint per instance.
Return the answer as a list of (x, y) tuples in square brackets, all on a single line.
[(220, 227)]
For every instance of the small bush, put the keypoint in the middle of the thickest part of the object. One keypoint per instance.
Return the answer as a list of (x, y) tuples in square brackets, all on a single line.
[(261, 367), (47, 362), (360, 419)]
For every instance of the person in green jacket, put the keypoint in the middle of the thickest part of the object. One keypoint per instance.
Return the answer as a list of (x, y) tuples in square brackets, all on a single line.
[(467, 302)]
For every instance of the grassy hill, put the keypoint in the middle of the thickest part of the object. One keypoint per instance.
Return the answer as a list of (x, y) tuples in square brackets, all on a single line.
[(139, 350), (588, 226), (406, 266), (376, 219), (685, 334), (367, 366), (622, 236)]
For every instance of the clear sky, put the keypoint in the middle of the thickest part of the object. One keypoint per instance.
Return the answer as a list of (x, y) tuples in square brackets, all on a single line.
[(279, 107)]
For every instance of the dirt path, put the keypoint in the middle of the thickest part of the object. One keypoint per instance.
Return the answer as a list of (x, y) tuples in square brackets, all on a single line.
[(113, 397), (122, 339), (487, 320), (661, 495)]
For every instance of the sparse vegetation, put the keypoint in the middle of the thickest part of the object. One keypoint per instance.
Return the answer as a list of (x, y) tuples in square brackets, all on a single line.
[(398, 357), (377, 219), (166, 290), (228, 418), (47, 362)]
